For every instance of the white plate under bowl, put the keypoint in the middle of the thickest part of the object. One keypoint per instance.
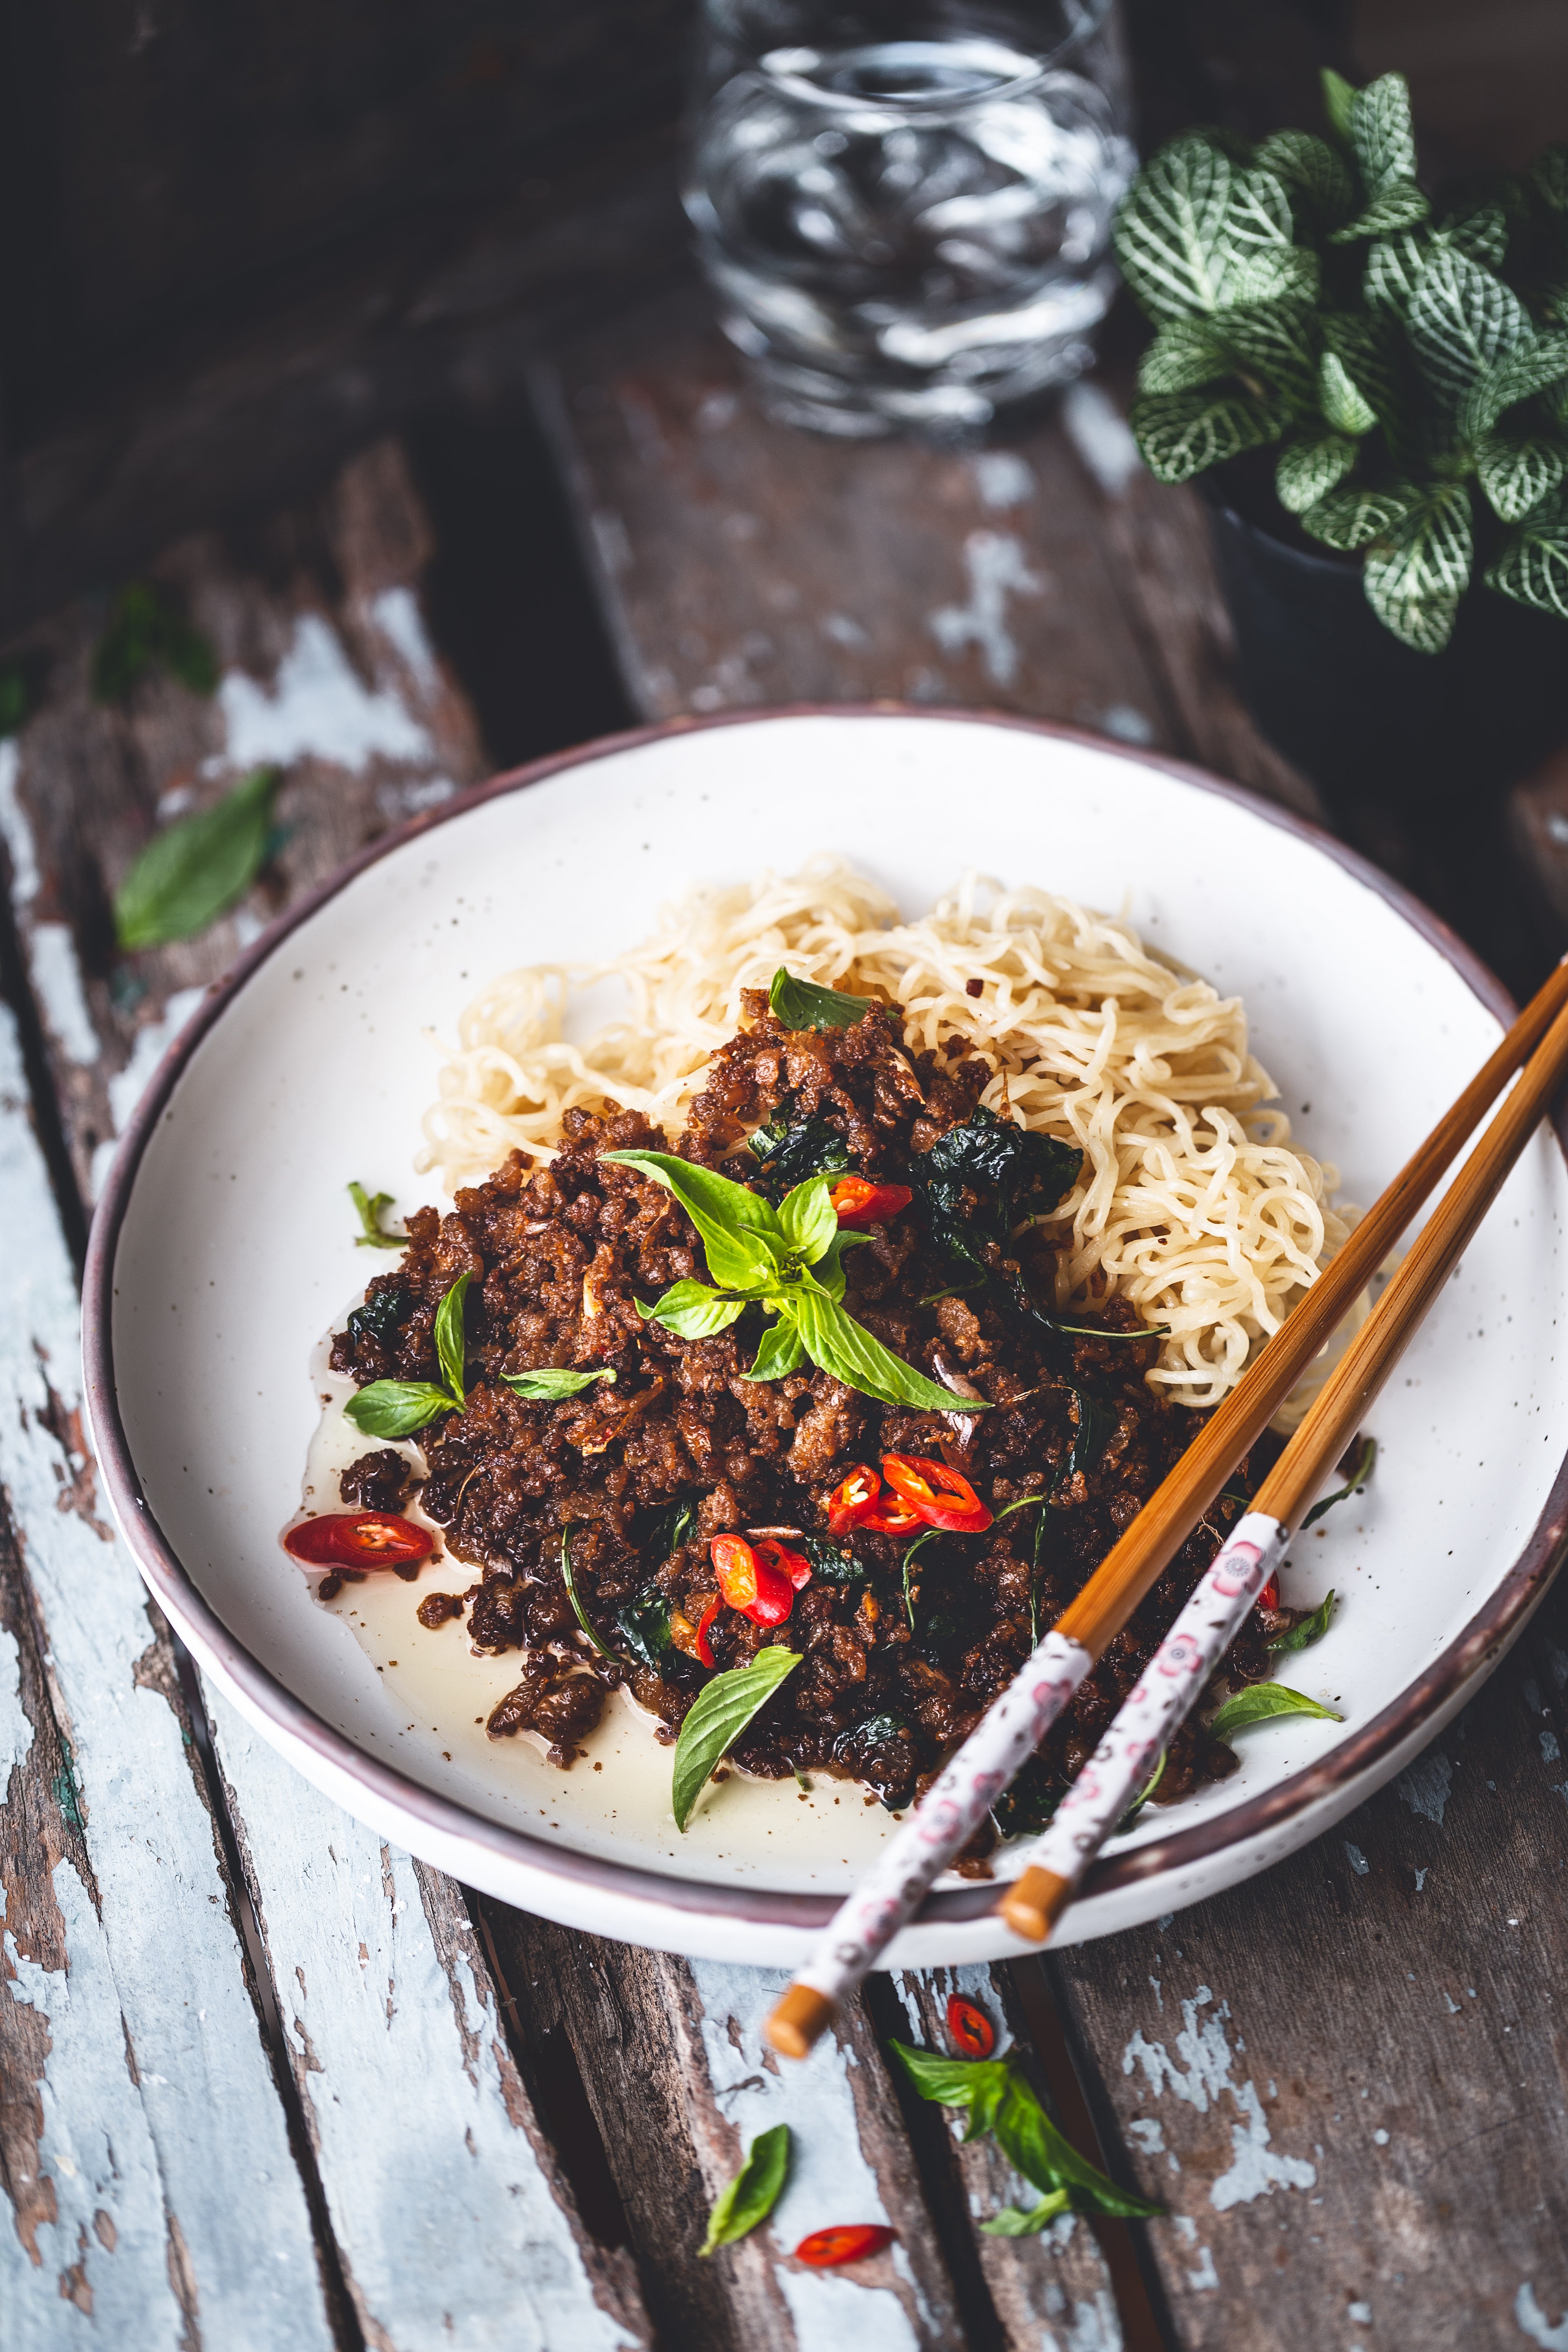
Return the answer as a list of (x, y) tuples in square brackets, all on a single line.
[(222, 1248)]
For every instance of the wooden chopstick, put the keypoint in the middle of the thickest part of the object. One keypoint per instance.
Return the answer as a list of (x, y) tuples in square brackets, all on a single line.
[(1173, 1679), (1171, 1512)]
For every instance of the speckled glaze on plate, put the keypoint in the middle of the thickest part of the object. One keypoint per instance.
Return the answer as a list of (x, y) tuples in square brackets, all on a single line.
[(222, 1248)]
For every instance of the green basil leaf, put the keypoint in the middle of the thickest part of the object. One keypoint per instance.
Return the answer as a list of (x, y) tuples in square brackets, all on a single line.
[(1031, 2142), (644, 1626), (692, 1311), (953, 2082), (569, 1579), (831, 1564), (809, 1219), (1012, 2222), (778, 1354), (1261, 1703), (908, 1571), (789, 1152), (1312, 1629), (1415, 575), (828, 1271), (724, 1708), (742, 1236), (1533, 566), (397, 1408), (1091, 1433), (1382, 133), (753, 2192), (382, 1316), (802, 1005), (193, 869), (1186, 432), (370, 1208), (451, 1340), (1144, 1793), (1365, 1463), (543, 1387), (846, 1349), (1462, 319), (1517, 470)]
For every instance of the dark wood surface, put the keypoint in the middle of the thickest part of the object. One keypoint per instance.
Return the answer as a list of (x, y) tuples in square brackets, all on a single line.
[(1345, 2080)]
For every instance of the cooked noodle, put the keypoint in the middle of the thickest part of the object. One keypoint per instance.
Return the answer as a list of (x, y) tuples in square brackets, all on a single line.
[(1192, 1203)]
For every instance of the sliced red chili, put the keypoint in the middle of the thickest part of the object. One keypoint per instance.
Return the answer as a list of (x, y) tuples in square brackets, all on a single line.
[(858, 1201), (750, 1582), (892, 1517), (942, 1498), (793, 1564), (359, 1539), (849, 1501), (850, 2242), (704, 1646), (773, 1598), (969, 2029), (1269, 1596)]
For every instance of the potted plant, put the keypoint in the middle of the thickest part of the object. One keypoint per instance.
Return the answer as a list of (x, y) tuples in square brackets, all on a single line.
[(1380, 376)]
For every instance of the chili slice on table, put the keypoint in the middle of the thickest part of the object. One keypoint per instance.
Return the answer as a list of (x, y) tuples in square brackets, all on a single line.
[(849, 1501), (359, 1539), (969, 2029), (941, 1496), (856, 1200), (850, 2242)]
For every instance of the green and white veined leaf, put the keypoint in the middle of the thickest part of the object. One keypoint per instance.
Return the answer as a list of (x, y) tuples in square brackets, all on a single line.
[(1517, 470), (1190, 222), (1309, 164), (1482, 234), (1343, 405), (1393, 272), (1530, 368), (1339, 104), (1353, 517), (1400, 206), (1187, 432), (1462, 319), (1533, 566), (1185, 353), (1276, 273), (1382, 133), (1416, 572), (1549, 177), (1273, 341), (1310, 467), (1366, 348)]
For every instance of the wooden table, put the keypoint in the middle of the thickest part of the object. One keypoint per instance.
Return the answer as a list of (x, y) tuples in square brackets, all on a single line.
[(267, 2085)]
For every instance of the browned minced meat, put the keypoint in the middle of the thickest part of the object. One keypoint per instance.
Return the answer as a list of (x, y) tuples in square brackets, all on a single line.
[(559, 1256), (377, 1482), (439, 1609)]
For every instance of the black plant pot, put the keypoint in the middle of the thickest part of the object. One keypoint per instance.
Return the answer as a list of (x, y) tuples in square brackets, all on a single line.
[(1374, 724)]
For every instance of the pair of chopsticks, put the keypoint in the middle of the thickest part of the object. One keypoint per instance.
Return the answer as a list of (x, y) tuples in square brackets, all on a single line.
[(963, 1795)]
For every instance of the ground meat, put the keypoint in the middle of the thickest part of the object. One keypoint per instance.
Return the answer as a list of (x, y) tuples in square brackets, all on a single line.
[(439, 1609), (377, 1482), (627, 1483)]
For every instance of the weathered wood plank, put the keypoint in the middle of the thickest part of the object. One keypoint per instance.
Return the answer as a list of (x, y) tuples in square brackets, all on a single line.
[(452, 2219), (672, 2058), (1349, 2079), (143, 2143)]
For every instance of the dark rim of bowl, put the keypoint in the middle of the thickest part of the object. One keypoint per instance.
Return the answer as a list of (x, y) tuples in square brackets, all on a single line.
[(1474, 1649)]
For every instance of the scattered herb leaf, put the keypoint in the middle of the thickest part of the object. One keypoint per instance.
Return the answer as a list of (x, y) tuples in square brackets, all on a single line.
[(753, 2192), (370, 1207), (397, 1408), (788, 1154), (549, 1382), (1012, 2222), (644, 1626), (1027, 1807), (979, 1181), (742, 1236), (193, 869), (451, 1341), (147, 631), (724, 1708), (909, 1566), (1144, 1793), (803, 1004), (1091, 1434), (830, 1563), (1312, 1629), (381, 1318), (1365, 1461), (568, 1579), (1000, 2101), (1261, 1703)]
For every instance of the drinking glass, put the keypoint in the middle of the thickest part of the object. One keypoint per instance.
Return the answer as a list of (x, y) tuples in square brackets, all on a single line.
[(903, 209)]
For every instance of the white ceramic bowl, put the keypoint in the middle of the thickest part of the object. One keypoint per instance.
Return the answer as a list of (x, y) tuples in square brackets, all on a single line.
[(222, 1249)]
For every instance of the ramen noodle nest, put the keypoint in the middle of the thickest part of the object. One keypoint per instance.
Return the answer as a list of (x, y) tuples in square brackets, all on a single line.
[(1192, 1203)]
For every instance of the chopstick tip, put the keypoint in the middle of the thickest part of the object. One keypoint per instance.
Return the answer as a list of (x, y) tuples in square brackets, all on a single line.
[(800, 2017), (1034, 1903)]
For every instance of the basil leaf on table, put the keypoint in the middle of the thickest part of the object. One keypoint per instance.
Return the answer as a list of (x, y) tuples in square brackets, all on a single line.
[(724, 1708), (397, 1408), (751, 2197), (1012, 2222), (147, 631), (844, 1347), (451, 1342), (1312, 1629), (1364, 1464), (550, 1381), (370, 1207), (570, 1582), (694, 1310), (742, 1236), (803, 1004), (1000, 2101), (779, 1352), (1262, 1703), (191, 871)]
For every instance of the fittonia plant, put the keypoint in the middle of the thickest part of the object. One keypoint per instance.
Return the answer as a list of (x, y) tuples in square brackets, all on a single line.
[(1406, 354)]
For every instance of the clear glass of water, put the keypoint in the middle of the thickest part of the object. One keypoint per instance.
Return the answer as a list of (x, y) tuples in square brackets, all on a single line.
[(905, 210)]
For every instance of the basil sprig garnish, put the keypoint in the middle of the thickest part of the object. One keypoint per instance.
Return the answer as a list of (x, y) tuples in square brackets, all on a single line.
[(1312, 1629), (370, 1207), (549, 1382), (1262, 1703), (723, 1710), (397, 1408), (1365, 1463), (802, 1005), (788, 1260), (751, 2197), (1000, 2101)]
